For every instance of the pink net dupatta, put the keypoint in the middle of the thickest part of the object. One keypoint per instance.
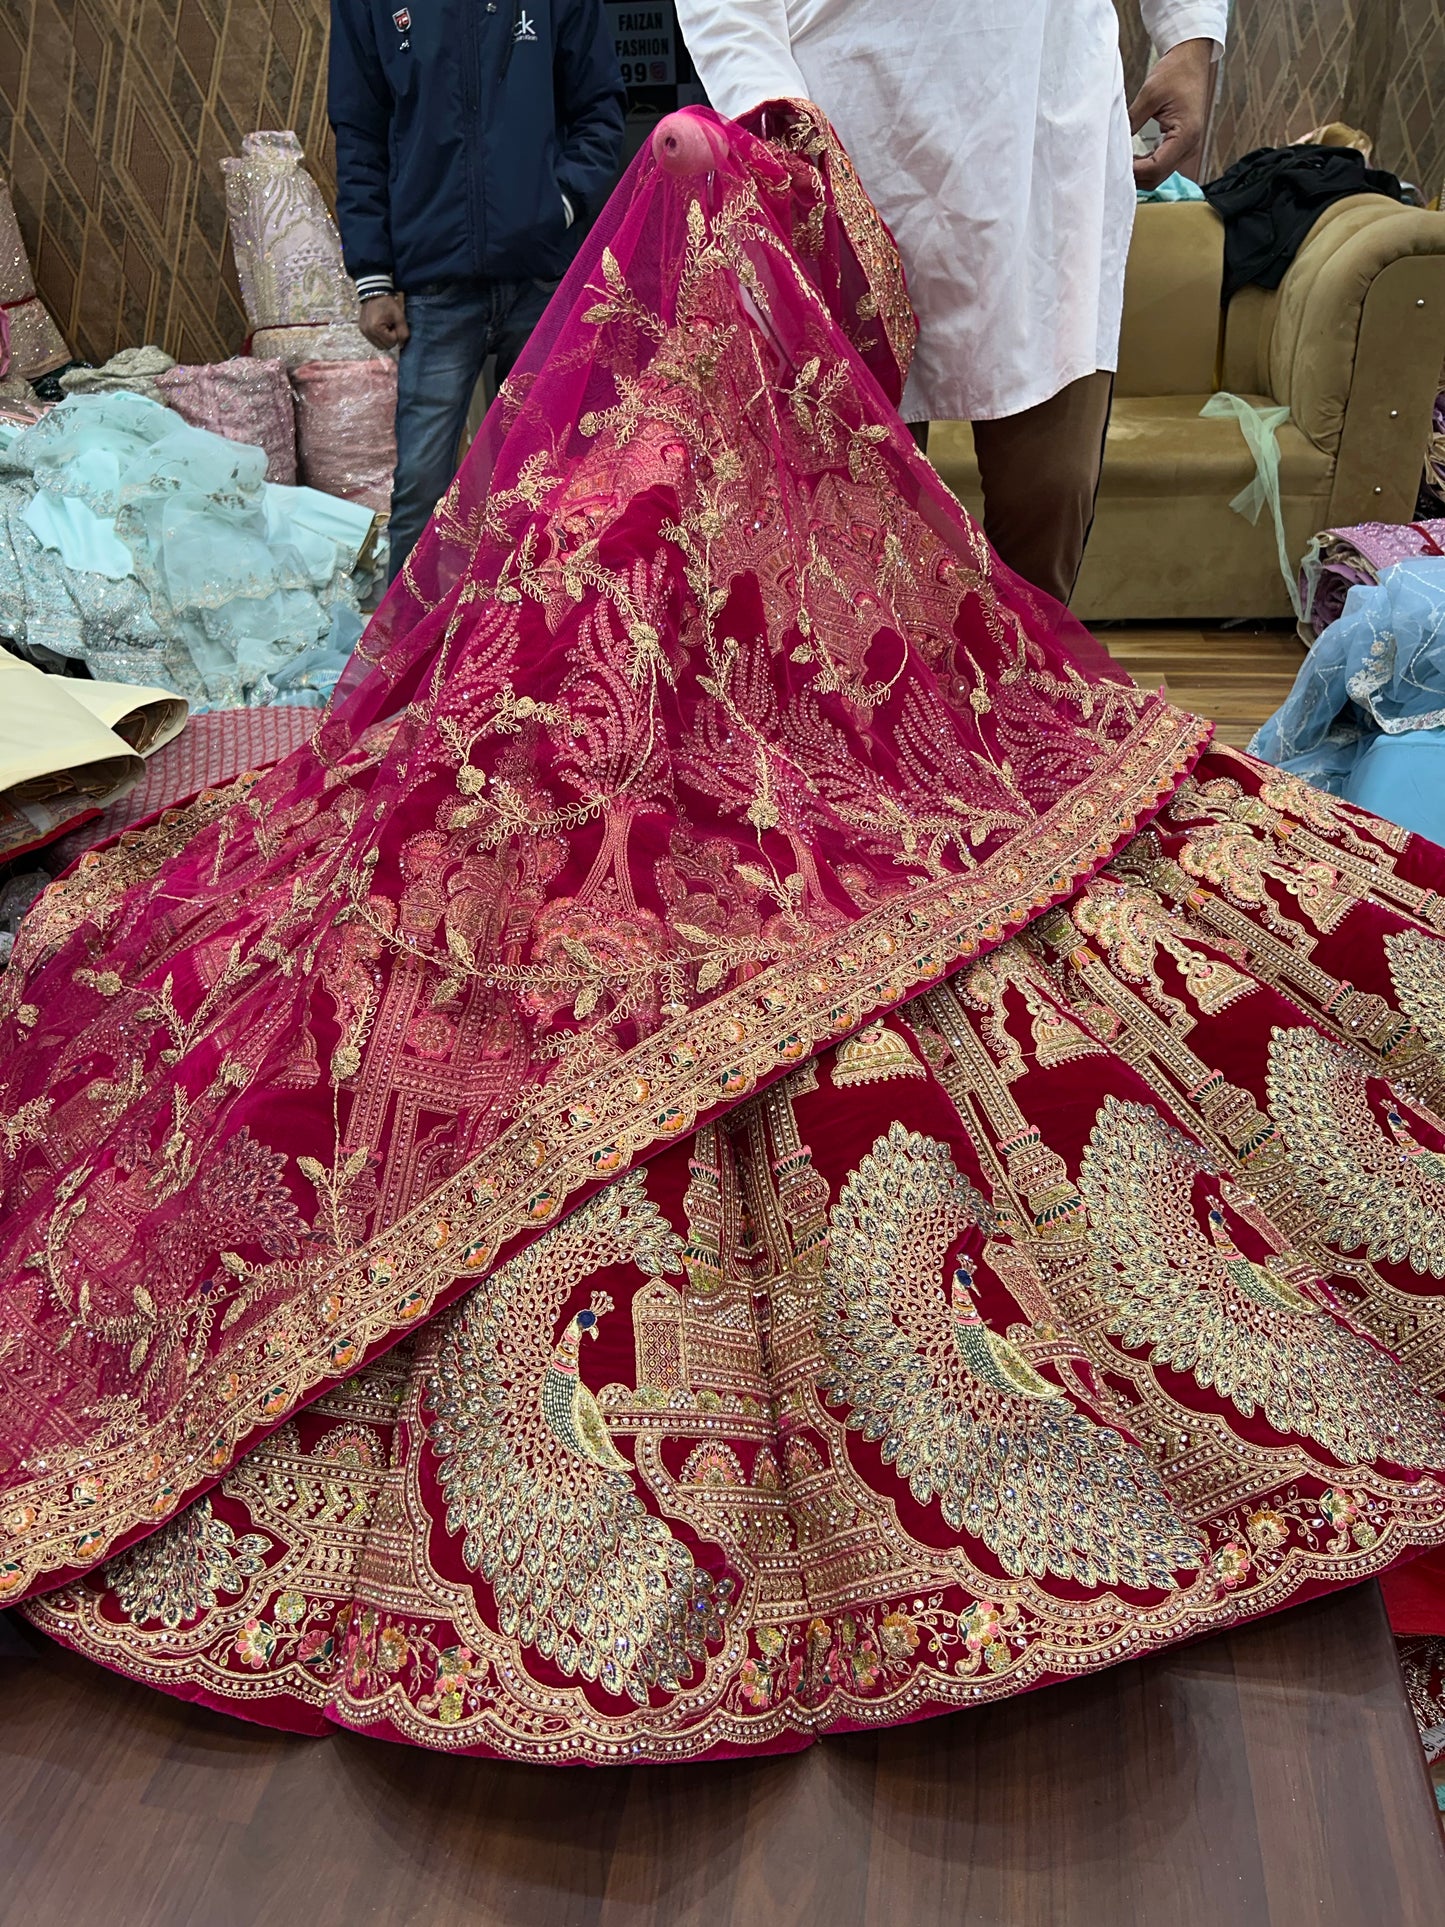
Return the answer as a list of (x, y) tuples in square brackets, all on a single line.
[(702, 729)]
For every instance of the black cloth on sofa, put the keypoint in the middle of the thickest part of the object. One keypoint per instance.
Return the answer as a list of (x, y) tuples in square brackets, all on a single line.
[(1271, 198)]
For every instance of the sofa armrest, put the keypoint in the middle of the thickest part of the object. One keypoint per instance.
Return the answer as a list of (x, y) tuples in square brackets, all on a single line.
[(1357, 346)]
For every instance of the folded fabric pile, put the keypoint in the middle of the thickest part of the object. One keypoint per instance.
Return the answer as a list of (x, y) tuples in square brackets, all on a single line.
[(158, 553), (37, 346), (1366, 717), (303, 311), (1337, 560), (134, 371), (1433, 488)]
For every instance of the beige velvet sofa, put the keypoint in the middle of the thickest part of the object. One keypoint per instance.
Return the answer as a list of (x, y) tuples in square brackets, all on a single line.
[(1352, 342)]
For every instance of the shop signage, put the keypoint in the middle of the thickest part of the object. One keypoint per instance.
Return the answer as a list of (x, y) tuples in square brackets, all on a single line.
[(646, 38)]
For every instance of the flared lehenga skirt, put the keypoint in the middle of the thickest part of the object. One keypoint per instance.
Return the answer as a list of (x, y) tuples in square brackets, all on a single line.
[(750, 1142)]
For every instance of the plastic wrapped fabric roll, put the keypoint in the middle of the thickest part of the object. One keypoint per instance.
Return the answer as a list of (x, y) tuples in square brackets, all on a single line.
[(37, 346), (346, 428), (246, 400), (288, 250)]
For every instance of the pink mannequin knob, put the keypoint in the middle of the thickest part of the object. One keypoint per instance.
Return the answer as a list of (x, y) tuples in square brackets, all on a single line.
[(685, 143)]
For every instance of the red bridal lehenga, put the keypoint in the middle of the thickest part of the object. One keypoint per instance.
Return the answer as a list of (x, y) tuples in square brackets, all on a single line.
[(750, 1143)]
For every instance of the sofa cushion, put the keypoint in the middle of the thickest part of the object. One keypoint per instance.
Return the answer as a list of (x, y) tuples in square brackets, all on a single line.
[(1163, 442), (1160, 444), (1170, 339)]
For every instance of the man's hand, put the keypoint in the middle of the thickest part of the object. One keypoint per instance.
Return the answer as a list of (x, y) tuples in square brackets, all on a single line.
[(1177, 95), (383, 321)]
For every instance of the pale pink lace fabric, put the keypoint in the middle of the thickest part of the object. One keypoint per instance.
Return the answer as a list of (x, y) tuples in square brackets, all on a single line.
[(346, 428), (36, 344), (246, 400)]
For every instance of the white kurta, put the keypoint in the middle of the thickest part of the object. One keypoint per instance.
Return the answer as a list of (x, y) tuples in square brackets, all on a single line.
[(993, 136)]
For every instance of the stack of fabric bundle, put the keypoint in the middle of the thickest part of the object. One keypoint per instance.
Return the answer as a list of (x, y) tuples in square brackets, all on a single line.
[(303, 310), (1433, 489), (1337, 560), (346, 429), (37, 346)]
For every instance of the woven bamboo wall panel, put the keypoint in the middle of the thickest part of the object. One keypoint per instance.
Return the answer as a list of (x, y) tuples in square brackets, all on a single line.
[(1293, 65), (115, 115), (114, 118)]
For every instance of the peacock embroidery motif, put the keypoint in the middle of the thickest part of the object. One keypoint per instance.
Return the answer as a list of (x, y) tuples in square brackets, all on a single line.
[(547, 1507), (957, 1408), (1417, 972), (1379, 1187), (1251, 1331)]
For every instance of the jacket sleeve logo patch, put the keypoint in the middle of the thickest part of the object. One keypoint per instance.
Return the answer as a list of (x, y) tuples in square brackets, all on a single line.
[(401, 20)]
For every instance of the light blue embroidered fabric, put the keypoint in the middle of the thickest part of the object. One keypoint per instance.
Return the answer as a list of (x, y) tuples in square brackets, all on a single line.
[(1366, 717), (234, 590)]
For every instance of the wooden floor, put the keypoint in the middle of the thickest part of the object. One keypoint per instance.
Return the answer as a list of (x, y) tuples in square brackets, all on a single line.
[(1237, 676), (1267, 1778)]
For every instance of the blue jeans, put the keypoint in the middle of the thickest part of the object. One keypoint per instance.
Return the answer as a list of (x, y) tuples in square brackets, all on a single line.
[(454, 326)]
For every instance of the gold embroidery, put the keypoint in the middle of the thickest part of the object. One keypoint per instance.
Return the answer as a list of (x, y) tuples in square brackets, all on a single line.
[(1417, 971), (958, 1409), (872, 1057), (1246, 1329), (579, 1568), (1380, 1190)]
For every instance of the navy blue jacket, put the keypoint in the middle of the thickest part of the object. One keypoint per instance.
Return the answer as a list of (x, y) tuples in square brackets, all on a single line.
[(460, 125)]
